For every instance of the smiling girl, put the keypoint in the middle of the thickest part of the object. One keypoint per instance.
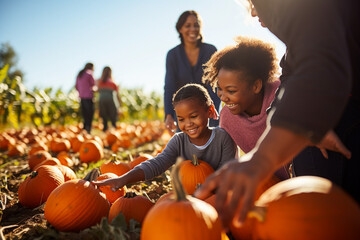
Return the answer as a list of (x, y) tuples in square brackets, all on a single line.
[(244, 76)]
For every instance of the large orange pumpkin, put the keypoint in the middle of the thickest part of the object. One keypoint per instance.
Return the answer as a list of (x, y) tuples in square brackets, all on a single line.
[(306, 207), (36, 188), (193, 173), (182, 217), (114, 165), (133, 206), (109, 193), (91, 151), (75, 205)]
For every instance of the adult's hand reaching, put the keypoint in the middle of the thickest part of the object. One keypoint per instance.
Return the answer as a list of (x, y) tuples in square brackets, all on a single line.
[(332, 142)]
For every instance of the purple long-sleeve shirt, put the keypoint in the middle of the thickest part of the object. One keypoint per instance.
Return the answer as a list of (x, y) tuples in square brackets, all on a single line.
[(84, 85)]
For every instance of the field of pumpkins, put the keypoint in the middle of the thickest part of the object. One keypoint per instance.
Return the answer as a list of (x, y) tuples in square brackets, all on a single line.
[(36, 161)]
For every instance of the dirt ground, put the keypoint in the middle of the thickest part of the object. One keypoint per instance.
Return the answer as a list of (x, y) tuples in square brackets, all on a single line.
[(18, 222)]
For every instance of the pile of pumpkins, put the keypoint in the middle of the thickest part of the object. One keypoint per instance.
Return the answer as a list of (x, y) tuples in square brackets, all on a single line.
[(305, 207)]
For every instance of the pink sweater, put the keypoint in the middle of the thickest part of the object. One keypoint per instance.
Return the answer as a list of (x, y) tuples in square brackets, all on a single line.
[(245, 130)]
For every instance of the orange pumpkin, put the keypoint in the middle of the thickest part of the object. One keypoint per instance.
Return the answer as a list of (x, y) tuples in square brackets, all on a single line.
[(36, 188), (16, 150), (65, 158), (133, 206), (38, 146), (139, 159), (111, 137), (49, 161), (306, 207), (76, 142), (59, 144), (37, 157), (91, 151), (193, 173), (182, 217), (114, 166), (110, 194), (68, 173), (75, 205)]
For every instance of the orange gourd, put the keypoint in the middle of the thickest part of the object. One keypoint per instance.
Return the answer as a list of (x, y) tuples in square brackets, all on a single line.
[(182, 217), (37, 157), (59, 144), (49, 161), (109, 193), (65, 158), (306, 207), (114, 166), (68, 173), (91, 151), (193, 173), (132, 206), (139, 159), (76, 142), (75, 205), (36, 188)]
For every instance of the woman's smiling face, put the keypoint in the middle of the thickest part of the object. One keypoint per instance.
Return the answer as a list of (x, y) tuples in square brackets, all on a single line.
[(237, 94)]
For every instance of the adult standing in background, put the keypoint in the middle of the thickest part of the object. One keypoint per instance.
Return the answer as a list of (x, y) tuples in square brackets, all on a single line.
[(318, 103), (184, 64), (85, 83), (109, 98)]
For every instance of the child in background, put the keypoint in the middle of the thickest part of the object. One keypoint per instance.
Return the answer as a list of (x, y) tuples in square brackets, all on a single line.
[(193, 107)]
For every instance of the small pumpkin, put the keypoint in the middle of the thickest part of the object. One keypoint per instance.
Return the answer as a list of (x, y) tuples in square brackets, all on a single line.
[(182, 217), (36, 188), (139, 159), (59, 144), (37, 157), (91, 151), (306, 207), (109, 193), (65, 158), (75, 205), (132, 206), (68, 173), (114, 165), (193, 173), (76, 142)]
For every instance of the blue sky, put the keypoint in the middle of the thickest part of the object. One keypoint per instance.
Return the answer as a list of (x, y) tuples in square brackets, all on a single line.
[(54, 39)]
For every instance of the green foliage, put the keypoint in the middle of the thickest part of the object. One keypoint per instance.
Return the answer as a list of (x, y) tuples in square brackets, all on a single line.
[(40, 107)]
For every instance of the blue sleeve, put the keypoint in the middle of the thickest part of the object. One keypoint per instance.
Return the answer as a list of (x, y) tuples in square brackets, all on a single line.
[(170, 84)]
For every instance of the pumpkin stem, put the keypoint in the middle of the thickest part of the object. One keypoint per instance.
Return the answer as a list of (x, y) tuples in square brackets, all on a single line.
[(257, 212), (195, 160), (113, 158), (92, 175), (33, 174), (180, 194)]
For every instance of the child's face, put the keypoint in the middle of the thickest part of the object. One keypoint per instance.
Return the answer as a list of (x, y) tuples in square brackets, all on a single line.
[(237, 94), (192, 117)]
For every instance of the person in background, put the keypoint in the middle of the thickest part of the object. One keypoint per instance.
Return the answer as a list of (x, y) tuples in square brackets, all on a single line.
[(318, 104), (184, 64), (109, 98), (194, 108), (245, 77), (85, 84)]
